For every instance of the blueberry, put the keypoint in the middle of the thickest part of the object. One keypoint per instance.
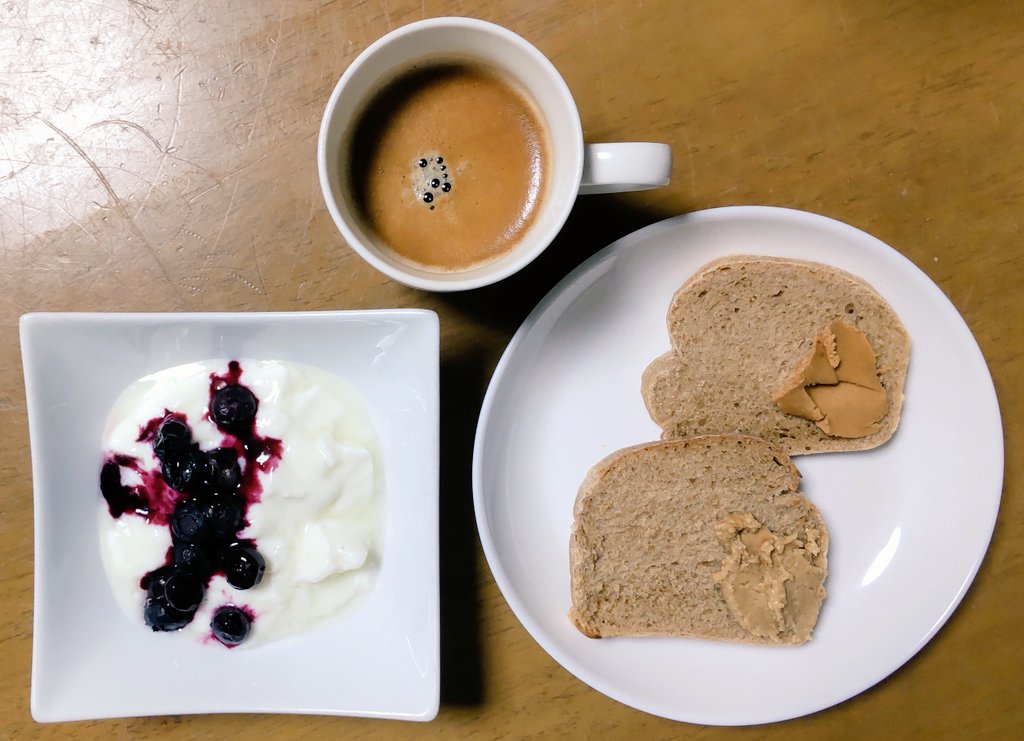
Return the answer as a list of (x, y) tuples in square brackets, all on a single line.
[(172, 440), (243, 565), (160, 616), (225, 471), (224, 514), (189, 473), (193, 558), (184, 591), (189, 522), (155, 582), (233, 409), (171, 471), (230, 625)]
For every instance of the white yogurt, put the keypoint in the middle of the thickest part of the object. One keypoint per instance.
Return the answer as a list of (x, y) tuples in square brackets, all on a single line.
[(318, 522)]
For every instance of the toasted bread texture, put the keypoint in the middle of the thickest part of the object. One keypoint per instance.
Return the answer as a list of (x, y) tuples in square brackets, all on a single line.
[(739, 328), (647, 555)]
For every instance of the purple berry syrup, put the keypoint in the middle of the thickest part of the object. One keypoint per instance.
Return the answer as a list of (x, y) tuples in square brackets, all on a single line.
[(155, 500)]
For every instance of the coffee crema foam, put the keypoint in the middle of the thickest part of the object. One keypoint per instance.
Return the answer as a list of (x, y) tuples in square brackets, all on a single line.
[(449, 166), (430, 178)]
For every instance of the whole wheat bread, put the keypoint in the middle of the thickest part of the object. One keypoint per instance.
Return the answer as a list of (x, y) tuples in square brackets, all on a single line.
[(740, 326), (644, 553)]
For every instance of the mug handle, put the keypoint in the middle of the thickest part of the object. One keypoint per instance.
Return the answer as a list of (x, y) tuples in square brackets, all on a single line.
[(625, 166)]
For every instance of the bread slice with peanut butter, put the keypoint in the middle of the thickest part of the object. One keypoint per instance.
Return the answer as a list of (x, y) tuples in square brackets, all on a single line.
[(742, 331), (707, 537)]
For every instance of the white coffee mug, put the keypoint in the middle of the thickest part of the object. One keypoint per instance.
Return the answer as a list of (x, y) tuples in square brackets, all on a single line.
[(573, 167)]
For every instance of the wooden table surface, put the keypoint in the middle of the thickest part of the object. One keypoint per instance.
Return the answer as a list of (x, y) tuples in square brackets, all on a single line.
[(160, 156)]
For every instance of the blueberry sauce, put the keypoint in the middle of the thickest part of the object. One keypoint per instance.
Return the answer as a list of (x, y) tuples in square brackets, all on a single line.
[(203, 497), (151, 499)]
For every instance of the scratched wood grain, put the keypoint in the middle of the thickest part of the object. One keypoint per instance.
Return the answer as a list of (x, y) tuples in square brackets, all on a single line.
[(159, 156)]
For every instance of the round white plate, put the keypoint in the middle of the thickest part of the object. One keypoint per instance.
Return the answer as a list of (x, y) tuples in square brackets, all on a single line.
[(909, 522)]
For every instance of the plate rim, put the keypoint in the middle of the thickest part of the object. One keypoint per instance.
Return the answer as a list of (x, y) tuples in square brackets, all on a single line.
[(480, 506)]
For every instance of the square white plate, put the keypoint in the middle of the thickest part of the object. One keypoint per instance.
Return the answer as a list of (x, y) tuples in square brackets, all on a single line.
[(90, 660)]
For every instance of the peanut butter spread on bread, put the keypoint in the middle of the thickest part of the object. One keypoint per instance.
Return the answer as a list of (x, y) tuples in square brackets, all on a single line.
[(770, 582), (837, 385)]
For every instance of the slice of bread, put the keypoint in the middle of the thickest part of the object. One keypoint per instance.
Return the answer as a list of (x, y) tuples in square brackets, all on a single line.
[(645, 558), (740, 327)]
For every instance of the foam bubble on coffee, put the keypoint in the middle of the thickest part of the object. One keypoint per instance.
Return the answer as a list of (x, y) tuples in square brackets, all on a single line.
[(431, 179)]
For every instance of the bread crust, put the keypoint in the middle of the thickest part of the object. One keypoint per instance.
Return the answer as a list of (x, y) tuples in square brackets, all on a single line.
[(736, 336), (615, 483)]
